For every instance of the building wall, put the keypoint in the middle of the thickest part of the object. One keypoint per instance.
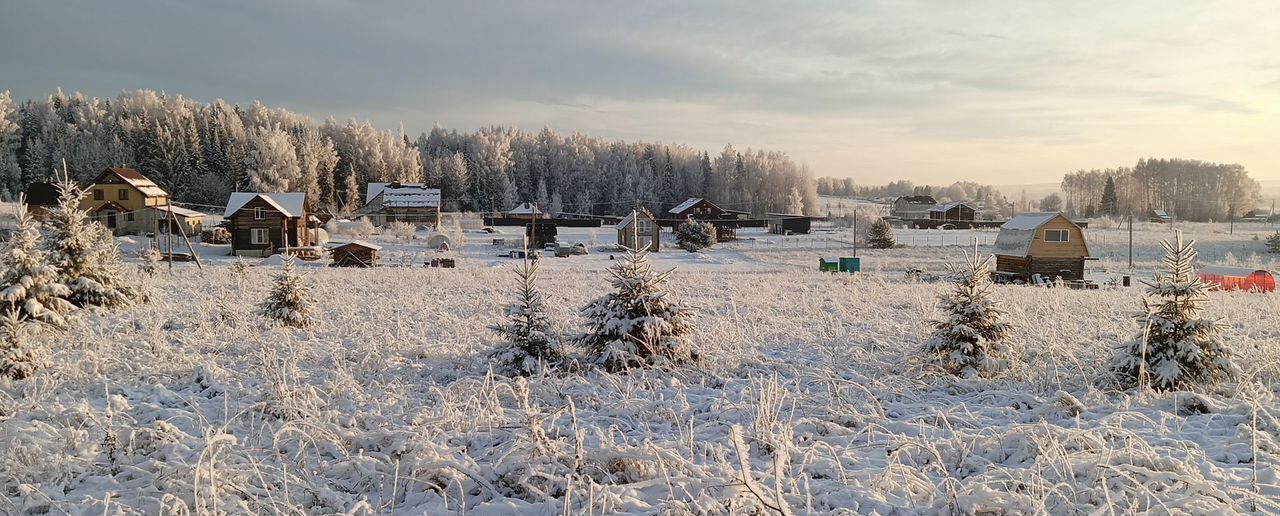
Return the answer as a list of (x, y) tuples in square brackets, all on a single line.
[(1069, 269), (627, 236), (282, 231), (1074, 247), (134, 218)]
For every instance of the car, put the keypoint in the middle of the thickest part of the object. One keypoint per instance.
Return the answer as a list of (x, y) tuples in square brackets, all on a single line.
[(578, 248), (551, 246)]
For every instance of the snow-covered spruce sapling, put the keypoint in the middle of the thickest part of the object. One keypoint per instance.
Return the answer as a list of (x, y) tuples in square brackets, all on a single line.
[(969, 341), (693, 235), (85, 253), (880, 236), (28, 281), (18, 358), (637, 324), (1273, 243), (290, 300), (528, 341), (1178, 347)]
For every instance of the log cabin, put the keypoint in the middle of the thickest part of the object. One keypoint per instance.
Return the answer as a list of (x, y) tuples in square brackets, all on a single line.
[(1047, 244), (262, 223)]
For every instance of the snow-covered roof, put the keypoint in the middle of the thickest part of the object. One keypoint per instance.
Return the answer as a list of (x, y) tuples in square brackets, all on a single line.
[(524, 209), (180, 211), (136, 180), (1017, 234), (1160, 213), (1219, 270), (411, 197), (289, 204), (917, 199), (685, 205), (403, 188), (942, 208), (360, 243), (626, 221)]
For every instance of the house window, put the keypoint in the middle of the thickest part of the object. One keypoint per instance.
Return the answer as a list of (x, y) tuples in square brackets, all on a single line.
[(643, 227), (99, 194), (124, 194), (128, 216), (259, 214), (258, 236), (1056, 235)]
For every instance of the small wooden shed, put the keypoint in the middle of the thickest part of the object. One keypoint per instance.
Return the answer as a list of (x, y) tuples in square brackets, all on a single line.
[(357, 253), (639, 231), (1237, 278), (1047, 244)]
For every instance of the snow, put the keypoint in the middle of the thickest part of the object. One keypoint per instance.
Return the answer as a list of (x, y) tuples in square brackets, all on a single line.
[(1028, 221), (290, 204), (688, 203), (407, 195), (811, 391)]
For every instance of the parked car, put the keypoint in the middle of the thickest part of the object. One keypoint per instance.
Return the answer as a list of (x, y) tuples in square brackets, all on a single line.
[(578, 248)]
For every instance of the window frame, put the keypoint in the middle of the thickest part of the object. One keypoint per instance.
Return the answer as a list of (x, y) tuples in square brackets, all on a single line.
[(253, 236), (99, 194), (123, 195), (259, 213), (1066, 236)]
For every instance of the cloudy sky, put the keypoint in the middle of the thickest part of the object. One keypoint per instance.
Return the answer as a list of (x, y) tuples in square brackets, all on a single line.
[(1004, 92)]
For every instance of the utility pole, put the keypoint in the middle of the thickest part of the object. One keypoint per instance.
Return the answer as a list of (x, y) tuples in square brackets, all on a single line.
[(1130, 240)]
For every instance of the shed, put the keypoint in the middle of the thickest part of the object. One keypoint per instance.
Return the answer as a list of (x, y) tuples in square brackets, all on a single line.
[(789, 224), (1160, 216), (639, 231), (841, 264), (528, 211), (41, 198), (959, 211), (1047, 244), (539, 234), (357, 253), (1237, 278)]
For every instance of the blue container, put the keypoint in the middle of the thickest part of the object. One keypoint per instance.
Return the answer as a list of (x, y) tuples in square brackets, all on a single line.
[(850, 264)]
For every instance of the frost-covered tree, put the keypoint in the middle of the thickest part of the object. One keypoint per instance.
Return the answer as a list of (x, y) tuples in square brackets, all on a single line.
[(85, 253), (10, 141), (18, 358), (1178, 348), (637, 324), (528, 341), (880, 236), (290, 301), (272, 162), (28, 281), (1273, 243), (693, 235), (970, 340)]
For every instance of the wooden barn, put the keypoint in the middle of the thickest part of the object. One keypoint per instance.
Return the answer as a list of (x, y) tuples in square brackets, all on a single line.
[(1237, 278), (357, 253), (41, 198), (639, 231), (1047, 244), (261, 223), (789, 224), (957, 211)]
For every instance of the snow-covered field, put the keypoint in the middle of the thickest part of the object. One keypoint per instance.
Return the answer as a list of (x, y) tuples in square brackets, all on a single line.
[(192, 404)]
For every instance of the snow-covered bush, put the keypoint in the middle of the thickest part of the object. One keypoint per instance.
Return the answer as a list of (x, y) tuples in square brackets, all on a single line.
[(692, 235), (28, 281), (85, 253), (1178, 348), (149, 258), (1273, 243), (405, 231), (290, 301), (637, 324), (18, 358), (880, 236), (528, 343), (969, 341)]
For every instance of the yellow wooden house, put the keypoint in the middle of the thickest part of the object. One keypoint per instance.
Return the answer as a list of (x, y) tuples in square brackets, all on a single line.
[(127, 202)]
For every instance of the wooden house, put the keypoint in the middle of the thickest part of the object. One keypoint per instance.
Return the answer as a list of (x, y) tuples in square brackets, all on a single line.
[(40, 199), (262, 223), (357, 253), (1047, 244), (784, 224), (1159, 216), (725, 221), (403, 202), (127, 202), (953, 211), (639, 231), (528, 211), (912, 207)]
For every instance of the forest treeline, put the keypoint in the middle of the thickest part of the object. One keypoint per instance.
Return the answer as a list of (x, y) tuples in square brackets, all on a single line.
[(1187, 189), (201, 152)]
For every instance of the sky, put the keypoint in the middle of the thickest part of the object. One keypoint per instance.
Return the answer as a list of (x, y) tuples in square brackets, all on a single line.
[(1000, 92)]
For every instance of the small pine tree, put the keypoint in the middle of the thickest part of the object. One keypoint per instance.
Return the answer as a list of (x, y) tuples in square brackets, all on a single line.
[(637, 324), (970, 340), (1273, 243), (150, 260), (529, 343), (880, 236), (692, 235), (86, 254), (18, 360), (290, 300), (1178, 349), (28, 282), (1110, 202)]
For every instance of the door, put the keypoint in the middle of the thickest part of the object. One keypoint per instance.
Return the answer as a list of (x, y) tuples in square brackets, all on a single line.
[(111, 218)]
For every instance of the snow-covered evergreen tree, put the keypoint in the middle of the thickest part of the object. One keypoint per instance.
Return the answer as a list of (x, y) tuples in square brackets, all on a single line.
[(272, 162), (693, 235), (880, 236), (1273, 243), (28, 281), (528, 341), (637, 324), (18, 358), (1178, 348), (10, 141), (290, 301), (85, 253), (969, 341)]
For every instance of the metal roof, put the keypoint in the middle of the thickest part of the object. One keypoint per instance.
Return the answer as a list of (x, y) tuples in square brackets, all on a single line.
[(688, 203), (289, 204), (1017, 234)]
